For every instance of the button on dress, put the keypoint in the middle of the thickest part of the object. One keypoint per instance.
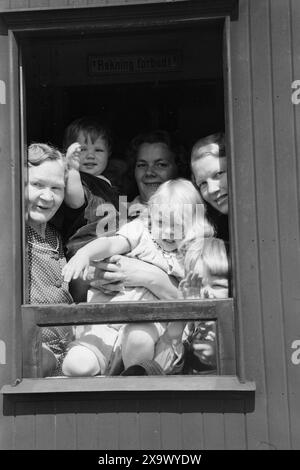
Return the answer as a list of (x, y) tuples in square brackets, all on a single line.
[(45, 258)]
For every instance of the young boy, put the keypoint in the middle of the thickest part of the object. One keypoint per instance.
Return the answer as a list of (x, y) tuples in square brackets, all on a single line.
[(89, 144)]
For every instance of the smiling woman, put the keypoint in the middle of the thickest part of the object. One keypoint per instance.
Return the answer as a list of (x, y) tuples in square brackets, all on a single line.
[(45, 255), (46, 183), (155, 164), (209, 171), (154, 157)]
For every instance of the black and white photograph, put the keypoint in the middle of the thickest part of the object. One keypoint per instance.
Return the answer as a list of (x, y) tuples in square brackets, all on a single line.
[(150, 229)]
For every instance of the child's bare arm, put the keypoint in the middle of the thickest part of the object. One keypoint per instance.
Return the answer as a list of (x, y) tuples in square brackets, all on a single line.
[(97, 249), (74, 194)]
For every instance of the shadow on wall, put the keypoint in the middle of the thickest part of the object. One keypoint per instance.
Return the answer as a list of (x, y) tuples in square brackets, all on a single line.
[(128, 402)]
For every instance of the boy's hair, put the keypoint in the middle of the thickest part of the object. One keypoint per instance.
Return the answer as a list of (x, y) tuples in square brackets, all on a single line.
[(213, 144), (89, 126), (39, 153), (208, 251), (180, 197)]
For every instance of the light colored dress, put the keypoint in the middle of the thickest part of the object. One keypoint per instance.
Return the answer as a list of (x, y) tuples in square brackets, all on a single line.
[(144, 248), (104, 340)]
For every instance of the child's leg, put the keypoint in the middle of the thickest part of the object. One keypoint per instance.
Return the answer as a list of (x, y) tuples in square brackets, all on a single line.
[(49, 362), (175, 330), (91, 353), (169, 350), (55, 341), (138, 343), (80, 361)]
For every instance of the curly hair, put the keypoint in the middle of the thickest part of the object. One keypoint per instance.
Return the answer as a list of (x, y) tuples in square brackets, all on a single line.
[(38, 153)]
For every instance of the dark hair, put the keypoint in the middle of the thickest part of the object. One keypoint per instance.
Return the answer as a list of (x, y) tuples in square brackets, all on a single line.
[(89, 126), (153, 137)]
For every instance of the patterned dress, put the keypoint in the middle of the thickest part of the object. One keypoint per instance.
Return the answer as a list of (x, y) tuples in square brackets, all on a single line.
[(45, 258)]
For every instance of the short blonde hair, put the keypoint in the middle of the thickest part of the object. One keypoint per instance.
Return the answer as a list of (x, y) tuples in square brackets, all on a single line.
[(180, 197), (210, 252)]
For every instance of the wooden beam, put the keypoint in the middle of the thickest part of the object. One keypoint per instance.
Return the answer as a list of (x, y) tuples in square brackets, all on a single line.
[(129, 384), (116, 312), (115, 17), (31, 350)]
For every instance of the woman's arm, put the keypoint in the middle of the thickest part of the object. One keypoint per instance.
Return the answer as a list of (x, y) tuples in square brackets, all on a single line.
[(118, 271)]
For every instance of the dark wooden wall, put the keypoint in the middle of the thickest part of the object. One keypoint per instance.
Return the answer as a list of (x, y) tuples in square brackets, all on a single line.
[(265, 50), (10, 5), (265, 61)]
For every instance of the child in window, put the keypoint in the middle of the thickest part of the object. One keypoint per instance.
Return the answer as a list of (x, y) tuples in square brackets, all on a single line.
[(206, 268), (153, 238), (88, 143)]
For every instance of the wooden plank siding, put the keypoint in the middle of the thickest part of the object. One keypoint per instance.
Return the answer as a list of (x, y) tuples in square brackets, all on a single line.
[(18, 5), (268, 222), (10, 257), (5, 255), (292, 320), (269, 269), (45, 417), (246, 267), (287, 209)]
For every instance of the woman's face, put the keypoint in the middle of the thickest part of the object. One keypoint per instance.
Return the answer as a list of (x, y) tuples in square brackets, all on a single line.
[(210, 175), (155, 164), (45, 192)]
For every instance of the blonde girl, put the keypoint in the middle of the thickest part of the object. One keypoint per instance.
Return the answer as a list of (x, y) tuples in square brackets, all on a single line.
[(155, 238), (206, 277)]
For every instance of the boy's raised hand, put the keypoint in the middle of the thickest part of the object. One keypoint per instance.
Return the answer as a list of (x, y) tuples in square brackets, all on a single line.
[(78, 265), (73, 156)]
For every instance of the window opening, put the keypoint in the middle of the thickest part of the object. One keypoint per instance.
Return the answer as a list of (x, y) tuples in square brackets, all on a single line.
[(136, 82)]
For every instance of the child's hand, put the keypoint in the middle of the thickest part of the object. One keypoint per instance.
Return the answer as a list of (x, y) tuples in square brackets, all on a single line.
[(77, 265), (190, 287), (203, 343), (73, 156)]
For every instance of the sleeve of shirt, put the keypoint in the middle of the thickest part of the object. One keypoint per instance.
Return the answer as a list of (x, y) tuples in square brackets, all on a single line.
[(133, 232), (65, 220), (176, 268)]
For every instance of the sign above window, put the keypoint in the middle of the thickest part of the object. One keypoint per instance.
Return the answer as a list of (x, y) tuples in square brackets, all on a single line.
[(134, 63)]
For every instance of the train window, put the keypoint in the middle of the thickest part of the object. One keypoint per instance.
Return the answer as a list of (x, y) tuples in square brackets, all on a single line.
[(172, 314)]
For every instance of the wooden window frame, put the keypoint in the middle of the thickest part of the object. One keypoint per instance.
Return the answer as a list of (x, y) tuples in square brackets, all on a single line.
[(36, 316), (27, 376)]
